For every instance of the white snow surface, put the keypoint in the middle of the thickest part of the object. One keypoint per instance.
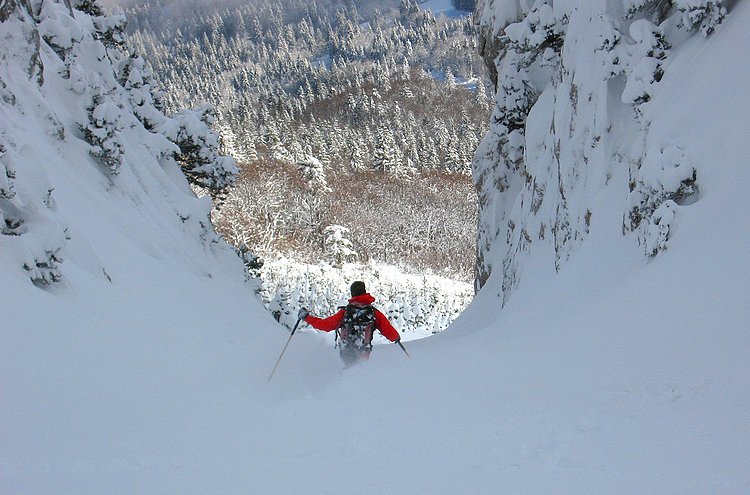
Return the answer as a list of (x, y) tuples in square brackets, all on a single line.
[(619, 375)]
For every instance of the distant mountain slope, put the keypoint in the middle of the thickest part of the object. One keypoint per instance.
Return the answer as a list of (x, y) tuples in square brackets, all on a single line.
[(328, 106)]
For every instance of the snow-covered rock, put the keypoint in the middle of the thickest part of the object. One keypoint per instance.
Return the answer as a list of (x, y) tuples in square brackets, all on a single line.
[(79, 117), (575, 105)]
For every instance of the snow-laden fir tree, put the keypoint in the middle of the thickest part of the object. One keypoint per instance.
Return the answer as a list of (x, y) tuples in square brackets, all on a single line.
[(385, 155), (29, 228), (102, 132), (313, 173), (701, 15), (198, 153), (337, 245)]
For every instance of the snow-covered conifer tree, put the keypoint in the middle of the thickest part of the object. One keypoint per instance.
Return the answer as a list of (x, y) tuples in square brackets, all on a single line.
[(646, 61), (199, 151), (313, 173), (29, 229), (384, 154), (450, 79), (251, 153), (702, 15), (102, 132), (338, 246), (137, 78), (453, 159)]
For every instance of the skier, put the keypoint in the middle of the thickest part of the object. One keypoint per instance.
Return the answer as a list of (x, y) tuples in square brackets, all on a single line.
[(354, 325)]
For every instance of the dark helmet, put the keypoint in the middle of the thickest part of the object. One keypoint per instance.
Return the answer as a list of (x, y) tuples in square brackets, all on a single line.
[(358, 288)]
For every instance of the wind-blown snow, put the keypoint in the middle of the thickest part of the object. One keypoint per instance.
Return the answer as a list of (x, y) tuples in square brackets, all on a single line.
[(620, 374)]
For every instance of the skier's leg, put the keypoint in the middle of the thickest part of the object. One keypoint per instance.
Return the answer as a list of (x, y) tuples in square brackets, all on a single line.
[(364, 353), (348, 354)]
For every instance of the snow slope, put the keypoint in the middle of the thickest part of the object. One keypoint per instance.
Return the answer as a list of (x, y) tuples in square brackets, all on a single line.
[(620, 374)]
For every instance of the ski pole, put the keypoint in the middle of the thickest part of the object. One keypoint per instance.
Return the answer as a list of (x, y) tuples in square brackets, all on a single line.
[(284, 350), (403, 348)]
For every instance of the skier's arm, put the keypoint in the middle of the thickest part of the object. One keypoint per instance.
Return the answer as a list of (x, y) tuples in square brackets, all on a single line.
[(385, 327), (326, 324)]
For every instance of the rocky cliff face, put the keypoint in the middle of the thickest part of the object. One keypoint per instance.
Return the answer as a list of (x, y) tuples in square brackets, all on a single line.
[(576, 86)]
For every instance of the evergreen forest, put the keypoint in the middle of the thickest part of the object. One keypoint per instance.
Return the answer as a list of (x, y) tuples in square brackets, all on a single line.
[(356, 116)]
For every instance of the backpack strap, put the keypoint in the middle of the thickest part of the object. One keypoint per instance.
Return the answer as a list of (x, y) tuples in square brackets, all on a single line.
[(337, 335)]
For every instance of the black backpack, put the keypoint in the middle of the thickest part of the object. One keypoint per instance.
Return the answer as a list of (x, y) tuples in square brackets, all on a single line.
[(358, 325)]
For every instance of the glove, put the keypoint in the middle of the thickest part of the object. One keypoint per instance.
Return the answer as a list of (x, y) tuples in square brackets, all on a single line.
[(303, 313)]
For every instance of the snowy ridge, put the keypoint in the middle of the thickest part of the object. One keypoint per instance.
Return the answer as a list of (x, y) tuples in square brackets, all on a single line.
[(83, 144)]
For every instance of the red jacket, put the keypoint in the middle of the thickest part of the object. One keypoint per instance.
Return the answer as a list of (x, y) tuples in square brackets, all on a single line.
[(333, 322)]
